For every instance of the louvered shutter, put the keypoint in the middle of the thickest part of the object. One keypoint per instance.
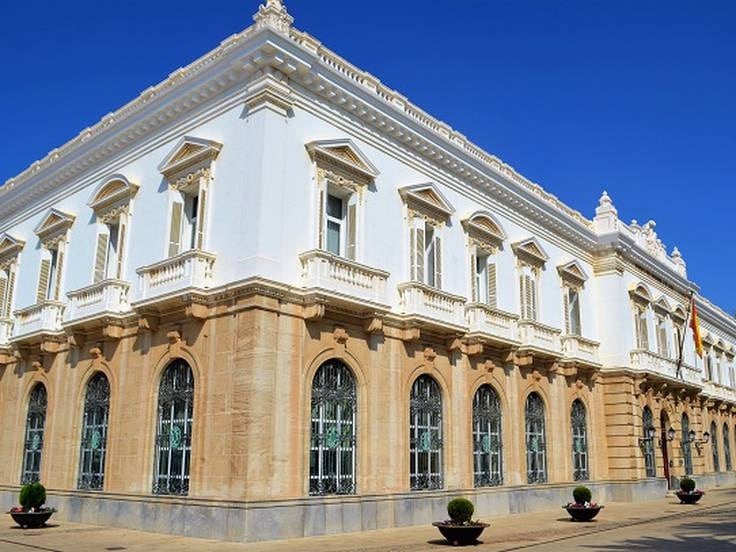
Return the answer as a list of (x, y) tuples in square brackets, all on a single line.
[(3, 297), (566, 306), (321, 219), (473, 278), (121, 251), (57, 275), (10, 292), (643, 331), (532, 290), (43, 280), (522, 296), (101, 257), (352, 231), (201, 218), (175, 229), (491, 275), (419, 254), (438, 262)]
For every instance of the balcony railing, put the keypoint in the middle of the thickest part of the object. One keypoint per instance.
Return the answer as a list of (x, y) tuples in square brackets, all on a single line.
[(423, 301), (193, 269), (6, 331), (647, 361), (492, 322), (539, 337), (579, 349), (43, 317), (343, 277), (105, 297)]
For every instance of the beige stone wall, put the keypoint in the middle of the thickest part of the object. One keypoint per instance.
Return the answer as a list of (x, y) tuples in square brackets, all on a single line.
[(253, 363)]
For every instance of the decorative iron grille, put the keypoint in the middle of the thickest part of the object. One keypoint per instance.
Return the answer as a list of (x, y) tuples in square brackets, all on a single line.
[(332, 443), (536, 447), (94, 433), (714, 447), (33, 446), (425, 435), (727, 447), (579, 441), (687, 455), (647, 423), (174, 430), (487, 443)]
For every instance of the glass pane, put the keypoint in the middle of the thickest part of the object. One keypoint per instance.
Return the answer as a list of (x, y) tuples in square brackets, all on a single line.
[(334, 207), (333, 237)]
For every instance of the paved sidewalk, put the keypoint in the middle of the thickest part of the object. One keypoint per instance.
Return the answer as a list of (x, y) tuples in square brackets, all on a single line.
[(654, 525)]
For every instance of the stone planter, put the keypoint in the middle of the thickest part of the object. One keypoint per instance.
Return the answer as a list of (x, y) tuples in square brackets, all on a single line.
[(578, 513), (460, 535), (31, 520), (689, 498)]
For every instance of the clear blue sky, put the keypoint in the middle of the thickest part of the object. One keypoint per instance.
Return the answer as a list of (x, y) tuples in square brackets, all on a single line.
[(636, 97)]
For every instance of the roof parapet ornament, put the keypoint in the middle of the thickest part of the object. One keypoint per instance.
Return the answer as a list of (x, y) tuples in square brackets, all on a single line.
[(680, 264), (606, 215), (274, 16)]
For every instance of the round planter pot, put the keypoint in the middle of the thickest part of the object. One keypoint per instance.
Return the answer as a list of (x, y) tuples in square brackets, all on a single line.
[(583, 514), (460, 535), (31, 519), (689, 498)]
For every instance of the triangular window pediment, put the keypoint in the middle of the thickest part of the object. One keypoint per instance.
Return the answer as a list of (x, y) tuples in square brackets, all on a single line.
[(55, 222), (572, 272), (531, 251), (9, 246), (189, 154), (344, 155), (427, 199)]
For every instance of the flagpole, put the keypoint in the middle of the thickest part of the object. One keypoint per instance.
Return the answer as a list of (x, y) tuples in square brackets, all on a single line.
[(678, 372)]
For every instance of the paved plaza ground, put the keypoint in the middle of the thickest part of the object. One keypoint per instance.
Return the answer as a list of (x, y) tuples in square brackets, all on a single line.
[(655, 525)]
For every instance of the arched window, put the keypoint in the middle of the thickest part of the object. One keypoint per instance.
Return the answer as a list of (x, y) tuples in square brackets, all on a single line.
[(687, 454), (94, 433), (647, 424), (727, 447), (579, 441), (174, 430), (332, 444), (425, 435), (714, 446), (536, 447), (487, 444), (33, 446)]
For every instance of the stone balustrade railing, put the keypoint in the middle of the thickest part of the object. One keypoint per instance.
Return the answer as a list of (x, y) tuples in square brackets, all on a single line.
[(193, 269), (43, 317), (104, 297), (537, 336), (423, 301), (578, 348), (492, 322)]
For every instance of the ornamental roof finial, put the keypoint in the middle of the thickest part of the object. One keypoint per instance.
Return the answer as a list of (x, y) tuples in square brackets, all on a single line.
[(605, 205), (273, 15)]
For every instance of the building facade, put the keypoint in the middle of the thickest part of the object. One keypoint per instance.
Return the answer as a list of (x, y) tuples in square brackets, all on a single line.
[(270, 298)]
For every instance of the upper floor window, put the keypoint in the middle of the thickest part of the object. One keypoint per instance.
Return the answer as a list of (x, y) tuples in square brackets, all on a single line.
[(662, 340), (189, 170), (485, 238), (343, 175), (427, 214), (641, 306), (530, 260), (52, 232), (9, 250), (573, 279)]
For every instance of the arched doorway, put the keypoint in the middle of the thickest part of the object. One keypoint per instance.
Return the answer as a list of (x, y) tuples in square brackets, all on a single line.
[(664, 423)]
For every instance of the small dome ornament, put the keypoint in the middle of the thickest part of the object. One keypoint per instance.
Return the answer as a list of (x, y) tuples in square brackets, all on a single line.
[(274, 16), (605, 205)]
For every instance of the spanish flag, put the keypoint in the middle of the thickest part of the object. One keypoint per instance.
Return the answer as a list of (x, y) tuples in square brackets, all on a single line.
[(695, 327)]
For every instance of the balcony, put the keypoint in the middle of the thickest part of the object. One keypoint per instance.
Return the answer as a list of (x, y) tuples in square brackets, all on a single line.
[(108, 297), (343, 280), (647, 361), (579, 350), (6, 331), (39, 319), (432, 306), (492, 324), (538, 338), (192, 270)]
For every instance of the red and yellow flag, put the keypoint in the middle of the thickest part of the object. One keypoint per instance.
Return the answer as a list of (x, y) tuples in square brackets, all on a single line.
[(695, 327)]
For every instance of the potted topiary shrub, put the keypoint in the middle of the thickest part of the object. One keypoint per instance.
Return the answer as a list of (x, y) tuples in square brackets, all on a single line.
[(460, 529), (582, 509), (31, 512), (688, 494)]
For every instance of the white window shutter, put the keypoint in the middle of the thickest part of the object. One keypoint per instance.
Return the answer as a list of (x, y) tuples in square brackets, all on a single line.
[(437, 261), (175, 229), (9, 293), (43, 280), (531, 292), (121, 251), (201, 217), (321, 220), (101, 257), (419, 254), (566, 306), (473, 278), (522, 296), (491, 275), (352, 231), (57, 275), (3, 297)]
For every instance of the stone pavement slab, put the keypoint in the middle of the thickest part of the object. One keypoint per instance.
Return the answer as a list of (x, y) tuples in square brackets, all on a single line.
[(654, 525)]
